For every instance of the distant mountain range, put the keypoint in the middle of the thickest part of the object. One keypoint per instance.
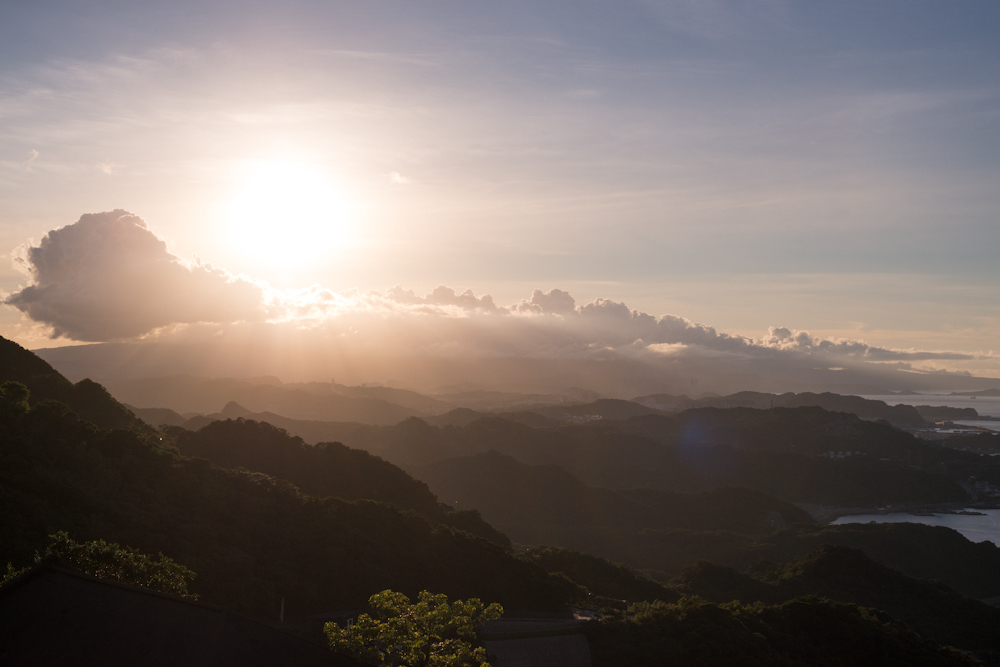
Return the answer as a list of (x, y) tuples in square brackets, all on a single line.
[(260, 515), (324, 402)]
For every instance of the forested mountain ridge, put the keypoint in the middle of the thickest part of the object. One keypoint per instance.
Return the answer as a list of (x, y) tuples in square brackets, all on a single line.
[(865, 408), (544, 504), (325, 469), (252, 539), (810, 430), (87, 398), (778, 454), (184, 394), (848, 575), (801, 632)]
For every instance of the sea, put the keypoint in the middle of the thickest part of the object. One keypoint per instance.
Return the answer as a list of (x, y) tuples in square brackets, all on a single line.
[(986, 406), (984, 527)]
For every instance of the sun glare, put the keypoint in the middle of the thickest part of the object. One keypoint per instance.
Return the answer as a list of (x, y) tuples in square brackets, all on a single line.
[(285, 213)]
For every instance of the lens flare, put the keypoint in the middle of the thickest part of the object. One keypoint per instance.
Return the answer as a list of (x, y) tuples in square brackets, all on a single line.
[(286, 213)]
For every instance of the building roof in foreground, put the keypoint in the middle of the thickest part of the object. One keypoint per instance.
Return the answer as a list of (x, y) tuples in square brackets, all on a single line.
[(536, 642), (56, 615)]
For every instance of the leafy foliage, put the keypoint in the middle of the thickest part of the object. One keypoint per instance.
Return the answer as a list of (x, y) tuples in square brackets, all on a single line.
[(430, 632), (12, 573), (804, 631), (848, 575), (113, 562), (87, 398)]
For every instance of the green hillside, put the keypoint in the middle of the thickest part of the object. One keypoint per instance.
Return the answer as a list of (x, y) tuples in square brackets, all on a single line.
[(694, 453), (183, 394), (601, 577), (848, 575), (865, 408), (251, 538), (326, 469), (808, 631), (88, 399), (546, 505)]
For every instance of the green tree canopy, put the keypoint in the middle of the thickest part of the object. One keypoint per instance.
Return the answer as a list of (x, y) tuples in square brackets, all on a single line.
[(110, 561), (430, 632)]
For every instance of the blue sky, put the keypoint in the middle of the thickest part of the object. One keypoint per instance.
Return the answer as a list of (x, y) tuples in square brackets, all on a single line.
[(821, 166)]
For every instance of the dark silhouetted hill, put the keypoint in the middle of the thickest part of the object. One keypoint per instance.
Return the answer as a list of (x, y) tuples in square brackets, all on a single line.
[(983, 443), (807, 430), (311, 431), (492, 400), (87, 398), (804, 631), (898, 415), (544, 504), (848, 575), (252, 539), (465, 416), (605, 408), (326, 469), (601, 577), (707, 449), (924, 552), (157, 417), (403, 397), (985, 392), (183, 393), (936, 413)]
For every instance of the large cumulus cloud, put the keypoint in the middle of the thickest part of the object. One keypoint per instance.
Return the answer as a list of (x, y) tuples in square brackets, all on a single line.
[(108, 277)]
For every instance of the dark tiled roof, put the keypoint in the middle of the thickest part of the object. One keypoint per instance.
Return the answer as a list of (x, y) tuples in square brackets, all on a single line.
[(536, 642), (55, 615)]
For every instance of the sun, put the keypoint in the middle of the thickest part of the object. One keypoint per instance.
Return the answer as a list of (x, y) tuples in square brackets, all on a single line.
[(286, 213)]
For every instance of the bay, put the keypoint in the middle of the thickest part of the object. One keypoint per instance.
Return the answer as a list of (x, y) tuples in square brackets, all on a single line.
[(986, 406)]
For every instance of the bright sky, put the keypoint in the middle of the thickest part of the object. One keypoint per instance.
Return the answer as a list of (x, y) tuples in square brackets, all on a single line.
[(825, 166)]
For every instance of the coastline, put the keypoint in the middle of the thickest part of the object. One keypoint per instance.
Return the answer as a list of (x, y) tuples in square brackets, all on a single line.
[(827, 514)]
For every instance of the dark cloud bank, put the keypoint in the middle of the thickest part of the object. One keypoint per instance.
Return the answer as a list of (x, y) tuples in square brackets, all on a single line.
[(108, 278)]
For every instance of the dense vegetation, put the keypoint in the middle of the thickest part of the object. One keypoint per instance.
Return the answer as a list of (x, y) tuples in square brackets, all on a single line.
[(983, 443), (898, 415), (602, 578), (431, 632), (113, 562), (807, 631), (251, 538), (848, 575), (183, 393), (261, 516), (547, 505), (326, 469), (837, 573), (87, 398), (775, 452)]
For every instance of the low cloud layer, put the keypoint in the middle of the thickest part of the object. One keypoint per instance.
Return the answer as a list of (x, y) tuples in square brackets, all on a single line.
[(107, 277)]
